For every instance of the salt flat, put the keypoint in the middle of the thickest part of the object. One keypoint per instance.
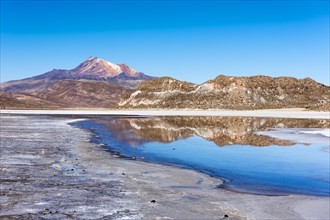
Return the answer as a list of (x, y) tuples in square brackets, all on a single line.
[(51, 170), (268, 113)]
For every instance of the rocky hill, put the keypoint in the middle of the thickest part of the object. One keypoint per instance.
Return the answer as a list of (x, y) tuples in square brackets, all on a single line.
[(228, 92), (93, 69)]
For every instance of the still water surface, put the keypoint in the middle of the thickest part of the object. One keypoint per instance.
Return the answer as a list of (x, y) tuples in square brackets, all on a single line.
[(228, 148)]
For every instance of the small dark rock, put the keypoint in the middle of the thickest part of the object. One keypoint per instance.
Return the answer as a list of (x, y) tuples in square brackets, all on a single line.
[(123, 174), (153, 201), (225, 216)]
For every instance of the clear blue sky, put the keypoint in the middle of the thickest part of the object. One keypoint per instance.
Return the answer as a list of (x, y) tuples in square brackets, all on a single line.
[(189, 40)]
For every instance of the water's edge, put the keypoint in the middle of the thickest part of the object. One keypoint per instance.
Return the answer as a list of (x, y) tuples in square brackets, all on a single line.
[(226, 185)]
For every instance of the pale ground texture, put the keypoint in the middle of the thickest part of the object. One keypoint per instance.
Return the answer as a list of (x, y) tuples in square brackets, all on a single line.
[(268, 113), (300, 135), (50, 170)]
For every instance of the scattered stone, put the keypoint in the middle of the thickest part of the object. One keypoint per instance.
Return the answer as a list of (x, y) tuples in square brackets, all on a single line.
[(153, 201)]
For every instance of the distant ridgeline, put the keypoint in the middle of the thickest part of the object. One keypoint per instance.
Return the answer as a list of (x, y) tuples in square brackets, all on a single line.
[(97, 83)]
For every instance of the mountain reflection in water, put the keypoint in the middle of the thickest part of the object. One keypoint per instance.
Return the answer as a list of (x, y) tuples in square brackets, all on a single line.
[(225, 147), (221, 130)]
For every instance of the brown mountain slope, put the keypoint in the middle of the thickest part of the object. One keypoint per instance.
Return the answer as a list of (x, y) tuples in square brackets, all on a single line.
[(24, 101), (75, 93), (67, 94), (254, 92)]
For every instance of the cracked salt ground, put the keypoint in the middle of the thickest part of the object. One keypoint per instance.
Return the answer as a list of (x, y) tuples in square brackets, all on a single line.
[(41, 178)]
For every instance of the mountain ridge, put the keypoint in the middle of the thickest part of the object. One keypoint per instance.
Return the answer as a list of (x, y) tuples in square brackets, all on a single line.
[(99, 83)]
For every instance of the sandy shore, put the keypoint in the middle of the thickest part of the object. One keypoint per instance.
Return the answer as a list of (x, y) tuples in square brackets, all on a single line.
[(50, 170), (268, 113)]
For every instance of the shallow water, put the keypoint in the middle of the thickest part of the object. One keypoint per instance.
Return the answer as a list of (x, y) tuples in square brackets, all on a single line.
[(228, 148)]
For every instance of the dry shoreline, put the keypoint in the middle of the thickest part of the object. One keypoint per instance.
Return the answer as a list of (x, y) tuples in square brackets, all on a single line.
[(73, 178), (270, 113)]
